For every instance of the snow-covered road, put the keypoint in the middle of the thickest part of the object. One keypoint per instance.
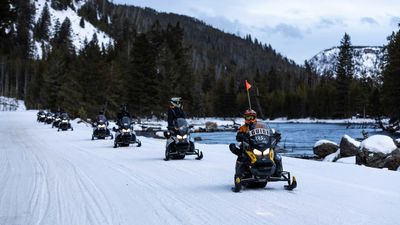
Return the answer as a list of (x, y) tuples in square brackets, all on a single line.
[(50, 177)]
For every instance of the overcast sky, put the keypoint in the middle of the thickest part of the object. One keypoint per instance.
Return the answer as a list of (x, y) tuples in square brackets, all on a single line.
[(297, 29)]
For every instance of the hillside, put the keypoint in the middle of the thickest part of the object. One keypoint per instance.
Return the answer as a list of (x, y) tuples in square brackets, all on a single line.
[(367, 61), (79, 34), (210, 49)]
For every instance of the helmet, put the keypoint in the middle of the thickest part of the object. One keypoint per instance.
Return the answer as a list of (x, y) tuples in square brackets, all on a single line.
[(101, 112), (250, 116), (176, 101), (124, 107)]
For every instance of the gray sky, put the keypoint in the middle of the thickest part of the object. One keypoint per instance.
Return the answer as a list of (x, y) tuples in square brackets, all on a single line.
[(297, 29)]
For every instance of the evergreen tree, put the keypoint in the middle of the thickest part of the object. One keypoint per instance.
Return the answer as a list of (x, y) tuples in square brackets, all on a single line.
[(344, 76), (41, 29), (82, 23), (391, 77)]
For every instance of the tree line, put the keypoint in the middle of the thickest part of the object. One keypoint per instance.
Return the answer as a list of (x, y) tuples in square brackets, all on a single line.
[(151, 62)]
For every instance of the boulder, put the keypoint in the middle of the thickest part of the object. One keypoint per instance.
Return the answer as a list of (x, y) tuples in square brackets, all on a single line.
[(379, 151), (211, 125), (349, 147), (324, 148), (397, 142)]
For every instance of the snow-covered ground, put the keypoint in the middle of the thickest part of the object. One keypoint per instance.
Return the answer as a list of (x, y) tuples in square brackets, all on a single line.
[(11, 104), (50, 177)]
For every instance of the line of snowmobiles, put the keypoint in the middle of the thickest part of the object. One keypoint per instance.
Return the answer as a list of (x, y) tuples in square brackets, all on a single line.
[(124, 133), (258, 150), (58, 120)]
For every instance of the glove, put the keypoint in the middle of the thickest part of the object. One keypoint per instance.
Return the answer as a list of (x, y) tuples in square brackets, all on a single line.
[(241, 137)]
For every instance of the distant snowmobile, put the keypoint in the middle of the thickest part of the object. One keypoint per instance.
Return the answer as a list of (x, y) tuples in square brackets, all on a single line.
[(56, 121), (64, 123), (100, 130), (179, 143), (125, 135), (49, 118), (259, 151), (41, 116)]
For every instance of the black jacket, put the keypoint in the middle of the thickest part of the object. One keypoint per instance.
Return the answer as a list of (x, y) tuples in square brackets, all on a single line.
[(173, 114)]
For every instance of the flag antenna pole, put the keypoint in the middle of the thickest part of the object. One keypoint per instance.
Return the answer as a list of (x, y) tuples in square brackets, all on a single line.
[(248, 86)]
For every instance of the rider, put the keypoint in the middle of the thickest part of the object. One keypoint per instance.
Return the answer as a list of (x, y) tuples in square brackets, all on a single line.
[(101, 117), (175, 111), (123, 111), (242, 162)]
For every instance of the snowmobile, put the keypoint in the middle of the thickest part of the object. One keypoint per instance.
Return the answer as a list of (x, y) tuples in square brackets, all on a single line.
[(64, 123), (41, 116), (56, 121), (49, 118), (125, 135), (179, 143), (100, 130), (258, 150)]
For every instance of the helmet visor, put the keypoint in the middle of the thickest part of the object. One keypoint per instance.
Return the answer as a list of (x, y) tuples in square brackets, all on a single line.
[(249, 117)]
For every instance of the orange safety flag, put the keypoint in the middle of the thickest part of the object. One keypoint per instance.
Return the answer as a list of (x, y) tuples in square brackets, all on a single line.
[(248, 86)]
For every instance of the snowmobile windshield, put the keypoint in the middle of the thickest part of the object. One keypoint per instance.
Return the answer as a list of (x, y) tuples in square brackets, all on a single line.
[(182, 125), (261, 137), (101, 119), (64, 116), (126, 122)]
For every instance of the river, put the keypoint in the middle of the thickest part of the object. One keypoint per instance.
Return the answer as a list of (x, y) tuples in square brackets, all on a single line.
[(297, 138)]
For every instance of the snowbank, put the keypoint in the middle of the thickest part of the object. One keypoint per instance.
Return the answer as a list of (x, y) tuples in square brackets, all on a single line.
[(11, 104), (321, 142), (347, 160), (332, 157), (379, 143)]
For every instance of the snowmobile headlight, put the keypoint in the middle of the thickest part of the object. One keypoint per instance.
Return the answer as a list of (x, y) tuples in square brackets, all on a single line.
[(126, 130), (179, 137), (266, 151), (102, 126), (64, 121), (257, 152), (42, 116)]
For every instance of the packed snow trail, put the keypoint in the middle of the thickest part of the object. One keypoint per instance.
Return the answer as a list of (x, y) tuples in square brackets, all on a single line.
[(50, 177)]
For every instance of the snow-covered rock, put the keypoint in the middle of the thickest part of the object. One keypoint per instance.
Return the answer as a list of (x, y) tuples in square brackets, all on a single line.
[(367, 60), (324, 148), (379, 151), (349, 146), (378, 143)]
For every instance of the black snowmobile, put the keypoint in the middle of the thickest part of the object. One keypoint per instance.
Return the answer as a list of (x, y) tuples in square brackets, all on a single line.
[(56, 121), (179, 143), (64, 123), (100, 129), (125, 135), (49, 118), (258, 152), (41, 116)]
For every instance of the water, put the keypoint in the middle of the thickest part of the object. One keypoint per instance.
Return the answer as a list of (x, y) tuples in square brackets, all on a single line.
[(298, 139)]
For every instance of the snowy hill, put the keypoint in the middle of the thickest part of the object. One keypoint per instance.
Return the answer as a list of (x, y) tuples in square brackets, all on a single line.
[(79, 34), (367, 60), (50, 178)]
